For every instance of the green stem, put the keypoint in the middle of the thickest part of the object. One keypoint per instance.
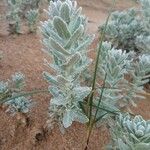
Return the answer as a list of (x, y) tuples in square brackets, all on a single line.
[(100, 108), (91, 96), (100, 99), (90, 99), (24, 94)]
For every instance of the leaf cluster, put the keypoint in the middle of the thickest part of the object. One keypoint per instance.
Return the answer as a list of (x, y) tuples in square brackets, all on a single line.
[(12, 88), (129, 29), (66, 40)]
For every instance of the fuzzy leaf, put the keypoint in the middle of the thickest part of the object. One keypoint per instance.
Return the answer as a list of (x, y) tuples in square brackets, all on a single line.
[(68, 118), (56, 46), (81, 93), (75, 37), (61, 28), (84, 44), (65, 12), (80, 117), (50, 78), (58, 101), (72, 61)]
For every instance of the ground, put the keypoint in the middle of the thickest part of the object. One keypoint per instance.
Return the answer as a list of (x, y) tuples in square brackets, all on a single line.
[(24, 53)]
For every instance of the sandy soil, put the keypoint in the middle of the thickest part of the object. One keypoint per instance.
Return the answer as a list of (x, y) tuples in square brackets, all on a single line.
[(23, 53)]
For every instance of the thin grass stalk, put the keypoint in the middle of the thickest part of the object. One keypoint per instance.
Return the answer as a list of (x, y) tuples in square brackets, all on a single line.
[(92, 122), (24, 94), (100, 108), (90, 99), (91, 96), (100, 99)]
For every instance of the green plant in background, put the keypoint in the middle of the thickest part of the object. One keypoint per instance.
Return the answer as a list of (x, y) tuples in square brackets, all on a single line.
[(13, 16), (115, 93), (123, 28), (28, 5), (32, 18), (66, 41), (130, 133), (9, 94), (143, 41), (18, 9), (145, 11), (33, 4), (130, 29), (119, 92)]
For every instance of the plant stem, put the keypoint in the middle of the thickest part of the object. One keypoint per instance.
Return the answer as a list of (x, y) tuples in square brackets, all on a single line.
[(90, 99), (92, 122), (24, 94), (100, 99), (91, 96)]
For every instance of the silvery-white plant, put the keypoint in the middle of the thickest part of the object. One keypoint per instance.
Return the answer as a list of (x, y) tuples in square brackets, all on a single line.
[(140, 75), (114, 64), (130, 133), (10, 90), (32, 4), (120, 92), (28, 5), (143, 41), (20, 104), (145, 11), (32, 18), (13, 15), (66, 41), (19, 9), (130, 29), (123, 28)]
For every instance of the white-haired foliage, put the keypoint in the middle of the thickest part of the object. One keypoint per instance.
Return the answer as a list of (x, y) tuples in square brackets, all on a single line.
[(13, 15), (32, 18), (18, 10), (130, 29), (66, 41), (130, 133), (9, 94), (120, 92)]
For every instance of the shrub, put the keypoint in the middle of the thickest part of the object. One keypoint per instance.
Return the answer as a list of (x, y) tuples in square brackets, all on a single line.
[(32, 18), (9, 94), (130, 29), (123, 28), (28, 5), (66, 41), (130, 133), (143, 41), (13, 16), (119, 93), (18, 10)]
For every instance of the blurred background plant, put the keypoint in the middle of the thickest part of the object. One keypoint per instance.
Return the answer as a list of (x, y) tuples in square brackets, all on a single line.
[(129, 133), (32, 18), (20, 9), (14, 16), (10, 94), (129, 29)]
